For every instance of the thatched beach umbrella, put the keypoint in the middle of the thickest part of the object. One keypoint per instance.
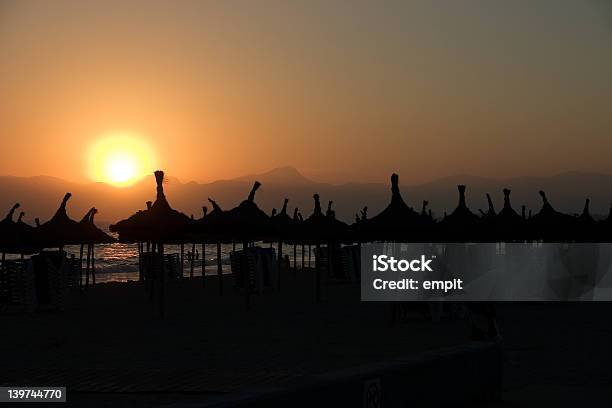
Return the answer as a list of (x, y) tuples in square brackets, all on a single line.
[(508, 225), (210, 230), (606, 227), (94, 235), (61, 230), (586, 227), (321, 228), (200, 220), (397, 222), (161, 224), (8, 233), (549, 224), (462, 224), (284, 228), (26, 237), (246, 223)]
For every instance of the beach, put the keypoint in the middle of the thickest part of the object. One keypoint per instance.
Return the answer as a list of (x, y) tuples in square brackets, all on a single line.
[(114, 342)]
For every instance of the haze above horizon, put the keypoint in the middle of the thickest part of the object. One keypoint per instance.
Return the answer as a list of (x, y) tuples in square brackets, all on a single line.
[(219, 90)]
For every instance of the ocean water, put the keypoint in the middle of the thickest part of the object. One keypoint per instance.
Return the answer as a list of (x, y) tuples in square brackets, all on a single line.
[(119, 262)]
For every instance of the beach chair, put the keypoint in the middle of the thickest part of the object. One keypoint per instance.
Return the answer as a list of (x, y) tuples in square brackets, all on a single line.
[(259, 265), (17, 286), (150, 265), (342, 269), (56, 280)]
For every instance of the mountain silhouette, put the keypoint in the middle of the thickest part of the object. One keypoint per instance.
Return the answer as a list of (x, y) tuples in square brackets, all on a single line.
[(39, 195), (287, 175)]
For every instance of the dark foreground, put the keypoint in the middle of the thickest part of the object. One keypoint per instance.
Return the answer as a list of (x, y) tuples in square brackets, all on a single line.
[(114, 351)]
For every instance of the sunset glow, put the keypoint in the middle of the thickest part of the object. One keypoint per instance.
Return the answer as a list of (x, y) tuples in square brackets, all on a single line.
[(120, 159)]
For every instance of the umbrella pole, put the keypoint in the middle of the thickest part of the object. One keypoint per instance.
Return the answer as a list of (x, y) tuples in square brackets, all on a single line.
[(294, 259), (152, 275), (193, 249), (93, 264), (318, 274), (302, 265), (81, 267), (330, 259), (182, 258), (140, 275), (162, 282), (246, 278), (203, 265), (87, 267), (233, 246), (280, 263), (219, 268), (309, 254)]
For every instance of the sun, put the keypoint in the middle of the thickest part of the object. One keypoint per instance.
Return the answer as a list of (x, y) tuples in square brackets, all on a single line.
[(120, 159)]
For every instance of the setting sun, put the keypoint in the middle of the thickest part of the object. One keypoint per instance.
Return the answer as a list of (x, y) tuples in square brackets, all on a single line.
[(120, 159)]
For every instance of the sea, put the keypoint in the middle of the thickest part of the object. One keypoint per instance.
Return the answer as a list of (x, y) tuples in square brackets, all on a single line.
[(118, 262)]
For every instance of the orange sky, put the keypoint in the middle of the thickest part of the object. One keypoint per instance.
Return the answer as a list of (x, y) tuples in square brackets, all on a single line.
[(340, 90)]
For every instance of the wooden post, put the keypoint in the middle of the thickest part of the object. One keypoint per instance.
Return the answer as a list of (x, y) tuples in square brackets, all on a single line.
[(182, 258), (203, 265), (309, 254), (81, 268), (318, 274), (140, 265), (294, 259), (93, 265), (162, 282), (219, 268), (152, 275), (245, 275), (87, 267), (193, 249), (280, 263)]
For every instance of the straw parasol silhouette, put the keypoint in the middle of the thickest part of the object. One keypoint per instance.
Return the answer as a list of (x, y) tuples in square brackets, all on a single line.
[(508, 225), (203, 243), (606, 227), (210, 230), (61, 230), (397, 222), (297, 221), (8, 234), (320, 228), (462, 224), (247, 223), (25, 237), (284, 228), (94, 236), (160, 224), (586, 227), (549, 224)]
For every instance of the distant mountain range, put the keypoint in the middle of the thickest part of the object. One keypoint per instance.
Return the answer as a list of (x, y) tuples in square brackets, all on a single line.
[(40, 196)]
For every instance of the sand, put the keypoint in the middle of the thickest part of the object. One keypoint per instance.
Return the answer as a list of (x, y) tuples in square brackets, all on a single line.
[(114, 340)]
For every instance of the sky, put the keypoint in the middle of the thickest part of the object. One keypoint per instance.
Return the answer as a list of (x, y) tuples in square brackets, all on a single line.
[(341, 90)]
